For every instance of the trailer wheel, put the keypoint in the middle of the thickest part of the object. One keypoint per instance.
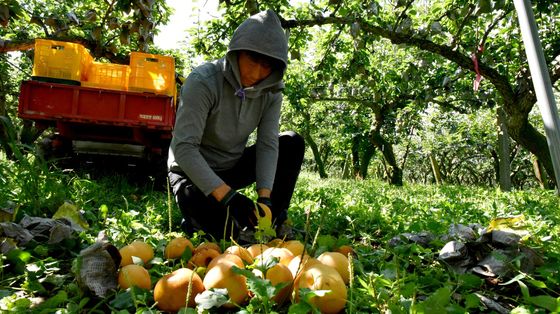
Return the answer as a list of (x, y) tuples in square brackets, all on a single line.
[(55, 148)]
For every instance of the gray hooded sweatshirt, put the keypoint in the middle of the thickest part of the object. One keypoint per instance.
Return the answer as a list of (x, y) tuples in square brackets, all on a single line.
[(216, 114)]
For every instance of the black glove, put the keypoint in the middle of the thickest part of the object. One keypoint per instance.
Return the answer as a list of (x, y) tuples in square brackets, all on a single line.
[(265, 200), (241, 208)]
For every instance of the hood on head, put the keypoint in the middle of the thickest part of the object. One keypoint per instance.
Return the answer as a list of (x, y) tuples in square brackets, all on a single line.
[(261, 33)]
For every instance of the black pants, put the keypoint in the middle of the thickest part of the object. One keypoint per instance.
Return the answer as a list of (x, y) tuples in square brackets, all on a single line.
[(202, 212)]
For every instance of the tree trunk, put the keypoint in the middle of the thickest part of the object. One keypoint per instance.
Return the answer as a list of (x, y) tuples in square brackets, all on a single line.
[(346, 167), (316, 155), (368, 152), (435, 169), (5, 137), (306, 132), (503, 152), (395, 173), (3, 111), (356, 156), (540, 175), (530, 138)]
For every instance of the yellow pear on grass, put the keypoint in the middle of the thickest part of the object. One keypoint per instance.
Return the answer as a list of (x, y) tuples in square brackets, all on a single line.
[(283, 254), (202, 258), (241, 252), (226, 257), (222, 276), (323, 277), (137, 248), (277, 274), (176, 247), (337, 261), (134, 275), (171, 290), (210, 245), (257, 249), (295, 246)]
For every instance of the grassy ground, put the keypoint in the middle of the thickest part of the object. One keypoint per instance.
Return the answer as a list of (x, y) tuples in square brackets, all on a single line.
[(398, 276)]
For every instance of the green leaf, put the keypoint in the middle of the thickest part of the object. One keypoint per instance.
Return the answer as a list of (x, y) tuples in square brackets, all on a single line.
[(326, 241), (546, 302), (262, 288), (266, 264), (187, 254), (18, 258), (212, 298), (122, 300), (514, 279), (307, 294), (103, 210), (18, 255), (537, 283), (485, 6), (470, 281), (21, 304), (472, 301), (187, 310), (41, 250), (300, 308), (524, 290), (437, 302), (53, 302), (521, 310)]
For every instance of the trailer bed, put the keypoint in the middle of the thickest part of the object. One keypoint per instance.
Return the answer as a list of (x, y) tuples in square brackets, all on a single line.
[(99, 115), (42, 101)]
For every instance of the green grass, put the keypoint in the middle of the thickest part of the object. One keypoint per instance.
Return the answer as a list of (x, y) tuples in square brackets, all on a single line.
[(366, 214), (409, 278)]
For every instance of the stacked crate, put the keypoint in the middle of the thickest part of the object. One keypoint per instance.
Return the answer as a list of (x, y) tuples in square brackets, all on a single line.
[(107, 76), (152, 73), (60, 62), (71, 63)]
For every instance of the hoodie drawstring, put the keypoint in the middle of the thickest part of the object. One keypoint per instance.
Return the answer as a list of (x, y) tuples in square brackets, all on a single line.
[(240, 93)]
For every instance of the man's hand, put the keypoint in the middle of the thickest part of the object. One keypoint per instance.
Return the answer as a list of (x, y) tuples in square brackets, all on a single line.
[(265, 200), (240, 207)]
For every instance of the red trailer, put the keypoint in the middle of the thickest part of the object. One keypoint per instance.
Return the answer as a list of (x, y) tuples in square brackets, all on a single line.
[(100, 121)]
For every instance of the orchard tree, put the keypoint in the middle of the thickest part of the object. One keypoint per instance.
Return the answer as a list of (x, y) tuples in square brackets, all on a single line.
[(109, 29), (481, 38)]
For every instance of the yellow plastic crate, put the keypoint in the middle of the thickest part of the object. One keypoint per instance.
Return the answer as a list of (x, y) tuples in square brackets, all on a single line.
[(60, 60), (152, 73), (107, 76)]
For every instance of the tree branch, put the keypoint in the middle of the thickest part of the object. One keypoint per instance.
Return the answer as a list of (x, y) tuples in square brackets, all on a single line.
[(500, 82), (491, 27), (450, 105), (16, 45), (109, 10), (339, 99), (462, 25), (403, 13)]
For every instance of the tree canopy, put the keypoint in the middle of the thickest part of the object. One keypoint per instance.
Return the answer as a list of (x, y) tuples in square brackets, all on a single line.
[(396, 89)]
